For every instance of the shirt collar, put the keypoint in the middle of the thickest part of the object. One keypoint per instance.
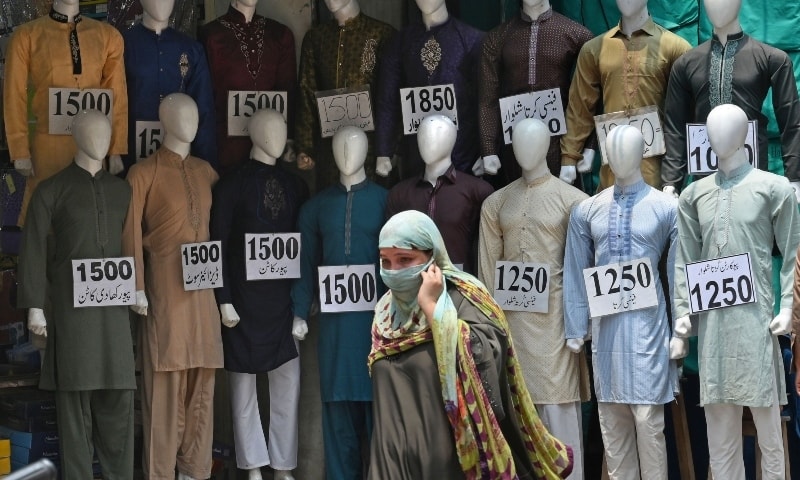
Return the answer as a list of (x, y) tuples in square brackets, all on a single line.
[(61, 18), (735, 175), (539, 180), (449, 175), (733, 37), (630, 189), (351, 23), (547, 15), (170, 157), (237, 16), (356, 186), (441, 26), (649, 28), (100, 173)]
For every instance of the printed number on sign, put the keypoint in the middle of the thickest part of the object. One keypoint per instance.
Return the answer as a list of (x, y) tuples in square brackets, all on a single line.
[(272, 256), (103, 282), (522, 287), (643, 276), (277, 248), (349, 288), (247, 103), (436, 99), (620, 287), (65, 103), (105, 270), (201, 253), (148, 138), (721, 282)]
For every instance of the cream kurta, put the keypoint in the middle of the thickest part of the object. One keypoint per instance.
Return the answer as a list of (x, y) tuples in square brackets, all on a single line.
[(528, 223), (38, 58), (171, 206)]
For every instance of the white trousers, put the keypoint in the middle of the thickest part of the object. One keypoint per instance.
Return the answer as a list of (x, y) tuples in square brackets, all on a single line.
[(252, 450), (724, 422), (564, 421), (633, 436)]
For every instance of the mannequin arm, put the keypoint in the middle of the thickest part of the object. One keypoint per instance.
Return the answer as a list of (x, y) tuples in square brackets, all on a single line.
[(678, 348), (568, 173), (383, 166), (305, 162), (141, 304), (228, 315), (782, 323), (477, 168), (36, 321), (683, 327), (24, 166), (491, 164), (575, 345), (299, 328), (795, 185), (585, 164), (115, 165), (289, 153)]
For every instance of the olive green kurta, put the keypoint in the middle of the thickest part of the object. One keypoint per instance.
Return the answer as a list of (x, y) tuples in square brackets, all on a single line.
[(87, 348)]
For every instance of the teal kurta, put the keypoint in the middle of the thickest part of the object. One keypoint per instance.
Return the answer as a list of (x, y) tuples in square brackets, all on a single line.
[(87, 348), (718, 216)]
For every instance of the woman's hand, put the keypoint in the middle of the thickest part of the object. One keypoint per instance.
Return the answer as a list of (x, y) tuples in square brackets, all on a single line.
[(430, 290)]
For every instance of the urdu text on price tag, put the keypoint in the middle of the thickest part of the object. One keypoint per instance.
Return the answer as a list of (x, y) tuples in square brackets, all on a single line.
[(103, 282), (620, 287), (272, 256), (545, 105), (522, 287), (344, 107), (202, 265), (721, 282)]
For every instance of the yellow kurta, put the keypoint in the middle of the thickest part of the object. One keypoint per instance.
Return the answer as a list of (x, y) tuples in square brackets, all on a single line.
[(38, 58), (527, 222)]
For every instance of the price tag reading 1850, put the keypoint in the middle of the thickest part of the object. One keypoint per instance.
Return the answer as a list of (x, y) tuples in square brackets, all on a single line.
[(344, 107), (646, 119), (103, 282), (522, 287), (545, 105), (272, 256), (350, 288), (718, 283), (149, 136), (420, 102), (620, 287), (242, 104), (202, 265), (702, 158), (65, 103)]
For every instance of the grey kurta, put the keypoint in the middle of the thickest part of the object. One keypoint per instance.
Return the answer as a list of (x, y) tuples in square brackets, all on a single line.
[(87, 348), (720, 216)]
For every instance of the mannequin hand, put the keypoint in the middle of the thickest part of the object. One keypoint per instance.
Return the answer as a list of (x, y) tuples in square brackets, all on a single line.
[(36, 321), (678, 348), (432, 287), (796, 186), (575, 345), (682, 327), (299, 328), (289, 154), (383, 166), (115, 164), (228, 315), (477, 168), (491, 164), (568, 173), (141, 303), (24, 166), (782, 323), (585, 164), (304, 162), (670, 190)]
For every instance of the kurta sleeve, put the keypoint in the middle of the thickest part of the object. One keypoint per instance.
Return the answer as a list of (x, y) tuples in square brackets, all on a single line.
[(307, 122), (223, 208), (388, 103), (578, 255), (490, 240), (786, 225), (310, 258), (787, 112), (393, 203), (33, 255), (584, 94), (199, 88), (671, 252), (140, 180), (678, 108), (796, 289), (689, 249), (114, 79), (15, 97), (489, 91)]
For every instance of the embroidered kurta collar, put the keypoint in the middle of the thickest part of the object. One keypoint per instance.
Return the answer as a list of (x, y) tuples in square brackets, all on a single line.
[(547, 15), (74, 45), (732, 37), (238, 16), (539, 180), (356, 186), (734, 176), (629, 189), (649, 28)]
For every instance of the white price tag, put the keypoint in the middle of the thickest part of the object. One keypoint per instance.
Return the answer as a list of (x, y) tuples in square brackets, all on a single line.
[(420, 102), (103, 282), (272, 256), (149, 136), (544, 105), (242, 104), (646, 119), (65, 103), (344, 107), (702, 158), (718, 283), (350, 288), (522, 287), (620, 287), (202, 265)]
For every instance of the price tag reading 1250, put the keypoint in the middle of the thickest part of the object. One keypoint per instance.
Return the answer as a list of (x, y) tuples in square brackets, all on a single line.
[(522, 287), (646, 119), (103, 282), (65, 103), (202, 265), (620, 287), (242, 104), (350, 288), (718, 283), (272, 256)]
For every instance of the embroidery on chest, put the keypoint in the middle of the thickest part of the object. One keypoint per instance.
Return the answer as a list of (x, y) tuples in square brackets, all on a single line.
[(251, 42), (431, 55), (368, 56), (274, 198), (183, 65)]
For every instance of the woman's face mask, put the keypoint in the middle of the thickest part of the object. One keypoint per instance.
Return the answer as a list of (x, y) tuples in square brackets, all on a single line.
[(405, 281)]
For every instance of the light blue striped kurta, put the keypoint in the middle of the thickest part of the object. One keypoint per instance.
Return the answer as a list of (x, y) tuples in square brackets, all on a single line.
[(630, 350)]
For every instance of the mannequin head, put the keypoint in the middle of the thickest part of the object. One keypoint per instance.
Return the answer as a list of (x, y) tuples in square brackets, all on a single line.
[(66, 7), (727, 130), (244, 3), (179, 116), (722, 12), (91, 131), (630, 8), (434, 12), (530, 141), (268, 134), (625, 147), (436, 137), (343, 10), (157, 10), (349, 149)]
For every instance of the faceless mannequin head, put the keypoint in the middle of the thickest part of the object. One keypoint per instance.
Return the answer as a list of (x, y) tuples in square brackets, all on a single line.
[(436, 137), (530, 141), (427, 7), (91, 131), (178, 114), (534, 3), (336, 5), (727, 129), (244, 3), (158, 10), (268, 132), (69, 3), (625, 147), (630, 7), (349, 149), (722, 12)]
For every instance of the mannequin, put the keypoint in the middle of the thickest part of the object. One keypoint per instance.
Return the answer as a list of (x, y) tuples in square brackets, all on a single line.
[(605, 76), (451, 198), (736, 210), (247, 52), (527, 222), (509, 68), (179, 340), (628, 221), (35, 59), (92, 403), (343, 52), (695, 88), (441, 50), (159, 60), (259, 198), (340, 226)]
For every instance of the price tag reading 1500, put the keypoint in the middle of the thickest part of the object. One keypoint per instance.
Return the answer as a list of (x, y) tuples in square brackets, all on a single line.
[(344, 107), (242, 104), (65, 103), (522, 287), (202, 265), (103, 282), (272, 256), (620, 287), (347, 288), (718, 283)]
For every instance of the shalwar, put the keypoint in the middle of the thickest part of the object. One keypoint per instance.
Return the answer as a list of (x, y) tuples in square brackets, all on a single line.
[(565, 422), (626, 454)]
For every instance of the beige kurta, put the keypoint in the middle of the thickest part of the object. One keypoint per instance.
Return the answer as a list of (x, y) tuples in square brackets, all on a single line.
[(527, 222), (171, 206)]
